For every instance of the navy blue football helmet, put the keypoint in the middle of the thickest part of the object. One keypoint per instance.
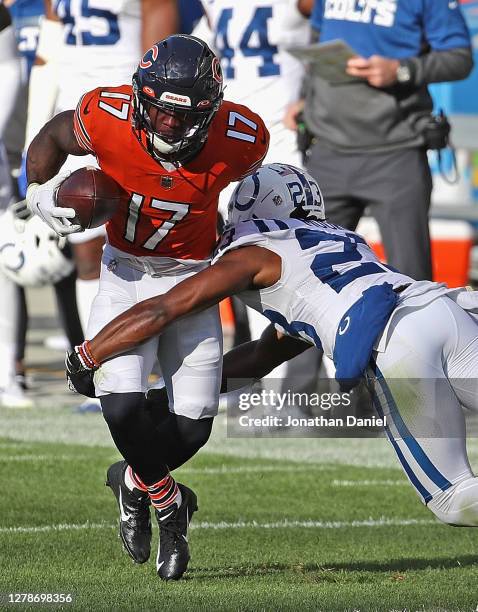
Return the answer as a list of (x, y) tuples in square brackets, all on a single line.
[(177, 89)]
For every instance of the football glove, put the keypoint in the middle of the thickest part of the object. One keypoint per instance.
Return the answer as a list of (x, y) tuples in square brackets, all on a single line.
[(79, 374), (41, 201)]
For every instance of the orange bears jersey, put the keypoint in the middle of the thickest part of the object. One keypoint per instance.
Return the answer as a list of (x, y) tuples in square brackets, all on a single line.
[(170, 213)]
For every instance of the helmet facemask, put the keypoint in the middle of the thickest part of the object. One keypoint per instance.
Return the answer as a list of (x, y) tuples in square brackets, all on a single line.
[(177, 90), (165, 143)]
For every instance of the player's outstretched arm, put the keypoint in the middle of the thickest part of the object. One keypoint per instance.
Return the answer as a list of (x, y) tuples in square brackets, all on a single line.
[(238, 270), (247, 267), (258, 358)]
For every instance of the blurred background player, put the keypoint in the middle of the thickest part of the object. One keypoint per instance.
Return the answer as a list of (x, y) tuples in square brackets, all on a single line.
[(25, 16), (11, 394), (251, 39)]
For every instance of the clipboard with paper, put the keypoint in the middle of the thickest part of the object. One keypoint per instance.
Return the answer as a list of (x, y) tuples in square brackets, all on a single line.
[(327, 60)]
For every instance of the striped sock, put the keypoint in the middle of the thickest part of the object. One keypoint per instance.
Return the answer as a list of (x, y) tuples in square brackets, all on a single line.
[(164, 493), (133, 481)]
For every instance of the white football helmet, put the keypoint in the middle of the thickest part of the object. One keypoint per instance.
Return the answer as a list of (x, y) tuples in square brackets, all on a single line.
[(30, 252), (276, 191)]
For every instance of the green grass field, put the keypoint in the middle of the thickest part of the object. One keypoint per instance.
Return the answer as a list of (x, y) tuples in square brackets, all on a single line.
[(283, 525)]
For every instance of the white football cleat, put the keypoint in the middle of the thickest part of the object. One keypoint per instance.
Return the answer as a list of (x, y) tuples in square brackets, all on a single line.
[(14, 397)]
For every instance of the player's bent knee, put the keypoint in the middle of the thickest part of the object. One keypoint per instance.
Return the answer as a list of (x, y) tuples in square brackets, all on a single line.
[(194, 433), (458, 505), (119, 409)]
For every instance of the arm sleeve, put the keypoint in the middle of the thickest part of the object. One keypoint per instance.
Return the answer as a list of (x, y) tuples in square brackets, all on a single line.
[(444, 26), (440, 66), (450, 56)]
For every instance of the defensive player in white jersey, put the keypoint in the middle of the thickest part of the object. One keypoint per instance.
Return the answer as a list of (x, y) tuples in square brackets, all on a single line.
[(319, 283), (251, 37), (10, 78)]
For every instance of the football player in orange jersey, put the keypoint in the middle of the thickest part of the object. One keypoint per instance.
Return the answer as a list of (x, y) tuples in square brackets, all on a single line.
[(174, 144)]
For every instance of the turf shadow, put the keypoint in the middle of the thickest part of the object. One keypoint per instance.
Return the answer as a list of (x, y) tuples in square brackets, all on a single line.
[(393, 565)]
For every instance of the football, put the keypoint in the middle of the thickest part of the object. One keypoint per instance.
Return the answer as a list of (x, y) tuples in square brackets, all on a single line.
[(93, 194)]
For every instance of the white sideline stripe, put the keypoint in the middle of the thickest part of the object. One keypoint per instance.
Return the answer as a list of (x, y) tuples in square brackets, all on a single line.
[(256, 468), (370, 483), (60, 527), (285, 524), (12, 445), (16, 458), (217, 470)]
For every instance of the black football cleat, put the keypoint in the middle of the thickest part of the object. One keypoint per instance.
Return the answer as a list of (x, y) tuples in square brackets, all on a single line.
[(135, 519), (173, 551)]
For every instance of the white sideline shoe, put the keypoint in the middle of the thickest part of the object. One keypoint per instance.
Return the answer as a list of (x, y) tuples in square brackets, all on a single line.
[(14, 397)]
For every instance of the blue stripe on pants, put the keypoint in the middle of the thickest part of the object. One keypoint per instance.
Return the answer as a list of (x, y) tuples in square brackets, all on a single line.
[(413, 479), (417, 452)]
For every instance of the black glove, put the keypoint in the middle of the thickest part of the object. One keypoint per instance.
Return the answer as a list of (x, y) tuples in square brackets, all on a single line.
[(79, 378)]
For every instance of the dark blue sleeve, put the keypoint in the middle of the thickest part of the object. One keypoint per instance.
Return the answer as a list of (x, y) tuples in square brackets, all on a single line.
[(316, 16), (444, 25)]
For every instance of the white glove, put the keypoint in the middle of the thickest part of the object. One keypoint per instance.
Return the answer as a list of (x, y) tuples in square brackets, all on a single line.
[(41, 201)]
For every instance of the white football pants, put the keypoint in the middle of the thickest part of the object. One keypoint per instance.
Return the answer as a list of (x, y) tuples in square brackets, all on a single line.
[(189, 351), (428, 371)]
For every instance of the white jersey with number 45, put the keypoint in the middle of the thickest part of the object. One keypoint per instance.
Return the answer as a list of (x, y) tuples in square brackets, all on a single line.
[(102, 45)]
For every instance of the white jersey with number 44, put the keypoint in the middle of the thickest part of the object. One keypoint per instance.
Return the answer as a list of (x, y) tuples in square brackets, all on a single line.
[(251, 38)]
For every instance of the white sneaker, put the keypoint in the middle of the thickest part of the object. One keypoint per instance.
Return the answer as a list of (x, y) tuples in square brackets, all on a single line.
[(14, 397)]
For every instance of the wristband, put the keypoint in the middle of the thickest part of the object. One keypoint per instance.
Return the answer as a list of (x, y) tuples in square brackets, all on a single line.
[(85, 356)]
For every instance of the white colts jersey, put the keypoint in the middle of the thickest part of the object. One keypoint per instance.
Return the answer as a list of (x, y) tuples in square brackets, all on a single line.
[(102, 45), (251, 38), (325, 270)]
